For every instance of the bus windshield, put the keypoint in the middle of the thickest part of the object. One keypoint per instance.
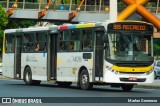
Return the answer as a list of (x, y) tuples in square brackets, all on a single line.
[(129, 47)]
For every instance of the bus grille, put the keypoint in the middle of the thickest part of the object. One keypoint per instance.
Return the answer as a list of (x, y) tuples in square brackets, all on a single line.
[(138, 80)]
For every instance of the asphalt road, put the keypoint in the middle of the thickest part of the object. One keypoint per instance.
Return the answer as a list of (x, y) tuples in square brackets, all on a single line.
[(17, 88)]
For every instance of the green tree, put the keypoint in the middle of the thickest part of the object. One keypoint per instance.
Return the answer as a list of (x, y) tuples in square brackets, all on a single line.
[(156, 47), (19, 24), (3, 23)]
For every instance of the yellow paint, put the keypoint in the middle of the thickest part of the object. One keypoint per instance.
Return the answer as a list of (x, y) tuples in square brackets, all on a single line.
[(4, 39), (130, 69), (90, 61), (73, 71), (137, 6), (90, 25), (59, 60)]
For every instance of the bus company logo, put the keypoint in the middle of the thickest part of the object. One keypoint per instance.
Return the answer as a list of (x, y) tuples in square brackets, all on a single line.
[(31, 59), (6, 100)]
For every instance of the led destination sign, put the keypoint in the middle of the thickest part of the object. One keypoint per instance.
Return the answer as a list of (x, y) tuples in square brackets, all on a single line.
[(131, 27)]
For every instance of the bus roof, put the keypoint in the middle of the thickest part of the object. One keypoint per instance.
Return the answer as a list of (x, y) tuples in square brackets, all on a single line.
[(74, 26), (52, 27)]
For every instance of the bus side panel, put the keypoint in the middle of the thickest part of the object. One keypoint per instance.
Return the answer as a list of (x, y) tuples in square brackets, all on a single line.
[(85, 59), (68, 65), (38, 64), (8, 65)]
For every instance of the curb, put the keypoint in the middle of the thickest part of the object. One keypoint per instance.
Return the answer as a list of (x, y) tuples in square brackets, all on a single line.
[(3, 77), (147, 86)]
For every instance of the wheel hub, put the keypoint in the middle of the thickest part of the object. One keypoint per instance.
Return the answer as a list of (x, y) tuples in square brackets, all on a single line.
[(84, 79), (27, 76)]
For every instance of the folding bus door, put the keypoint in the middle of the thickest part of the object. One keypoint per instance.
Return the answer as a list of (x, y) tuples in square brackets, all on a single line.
[(98, 53), (17, 60), (52, 56)]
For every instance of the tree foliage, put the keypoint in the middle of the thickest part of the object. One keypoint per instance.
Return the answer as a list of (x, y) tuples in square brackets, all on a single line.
[(156, 47), (20, 24), (3, 20), (3, 23)]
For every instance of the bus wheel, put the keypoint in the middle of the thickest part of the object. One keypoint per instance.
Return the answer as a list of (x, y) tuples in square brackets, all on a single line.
[(28, 77), (84, 80), (64, 84), (127, 87)]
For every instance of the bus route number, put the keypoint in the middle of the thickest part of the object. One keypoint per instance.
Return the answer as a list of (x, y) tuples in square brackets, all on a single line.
[(77, 59)]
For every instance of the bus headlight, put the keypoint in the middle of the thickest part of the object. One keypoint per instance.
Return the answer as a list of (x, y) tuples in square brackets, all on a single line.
[(112, 70), (116, 72)]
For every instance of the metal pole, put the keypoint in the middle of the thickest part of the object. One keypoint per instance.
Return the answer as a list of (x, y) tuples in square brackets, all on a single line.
[(95, 3), (40, 1), (113, 10), (157, 6), (23, 4), (70, 7), (7, 4), (85, 5), (100, 5)]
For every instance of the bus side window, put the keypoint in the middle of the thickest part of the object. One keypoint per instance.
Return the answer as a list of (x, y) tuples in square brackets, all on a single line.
[(40, 41), (87, 40), (9, 43), (28, 42), (75, 40), (37, 47)]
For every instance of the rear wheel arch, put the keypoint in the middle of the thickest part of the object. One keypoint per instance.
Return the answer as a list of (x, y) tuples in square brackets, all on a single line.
[(27, 77)]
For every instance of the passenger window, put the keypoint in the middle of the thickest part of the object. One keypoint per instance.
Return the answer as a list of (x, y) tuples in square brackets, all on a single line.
[(28, 42), (40, 41), (87, 40), (10, 44), (69, 40)]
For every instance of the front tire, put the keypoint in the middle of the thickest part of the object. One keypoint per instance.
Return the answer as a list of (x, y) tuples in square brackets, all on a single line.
[(84, 80), (127, 87), (28, 77)]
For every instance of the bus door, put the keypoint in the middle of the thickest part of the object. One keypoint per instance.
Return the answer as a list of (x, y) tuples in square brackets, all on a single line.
[(17, 60), (98, 62), (52, 56)]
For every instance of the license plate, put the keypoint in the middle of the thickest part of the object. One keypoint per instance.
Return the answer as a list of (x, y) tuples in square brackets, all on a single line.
[(132, 79)]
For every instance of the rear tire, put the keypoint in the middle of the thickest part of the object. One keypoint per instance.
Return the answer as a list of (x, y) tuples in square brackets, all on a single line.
[(84, 80), (28, 77), (64, 84), (127, 87)]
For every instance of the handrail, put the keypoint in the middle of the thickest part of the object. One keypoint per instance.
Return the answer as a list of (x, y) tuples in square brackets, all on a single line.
[(11, 11), (43, 13)]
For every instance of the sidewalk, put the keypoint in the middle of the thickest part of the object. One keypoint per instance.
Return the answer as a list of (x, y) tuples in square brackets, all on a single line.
[(3, 77), (154, 85)]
